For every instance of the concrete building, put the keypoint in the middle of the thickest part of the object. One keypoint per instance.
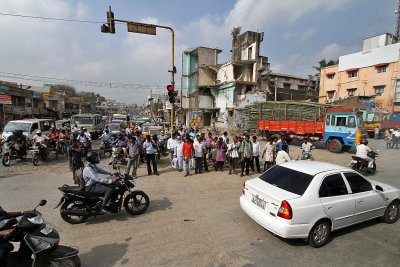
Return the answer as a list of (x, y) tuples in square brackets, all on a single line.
[(373, 72), (216, 94)]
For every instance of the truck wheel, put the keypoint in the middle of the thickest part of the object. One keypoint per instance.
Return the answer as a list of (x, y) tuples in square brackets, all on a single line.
[(335, 146)]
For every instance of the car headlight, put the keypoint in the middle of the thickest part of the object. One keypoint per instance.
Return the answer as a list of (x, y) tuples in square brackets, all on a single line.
[(39, 244), (36, 220)]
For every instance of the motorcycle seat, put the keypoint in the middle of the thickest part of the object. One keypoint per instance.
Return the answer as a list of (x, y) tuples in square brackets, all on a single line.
[(76, 190)]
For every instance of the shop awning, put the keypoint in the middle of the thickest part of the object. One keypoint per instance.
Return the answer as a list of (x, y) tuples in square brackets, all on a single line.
[(353, 69), (381, 65)]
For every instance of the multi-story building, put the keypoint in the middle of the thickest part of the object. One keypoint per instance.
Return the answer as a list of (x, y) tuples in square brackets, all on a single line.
[(373, 72)]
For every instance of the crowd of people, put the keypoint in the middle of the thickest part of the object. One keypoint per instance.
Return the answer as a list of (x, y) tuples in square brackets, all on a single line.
[(200, 151)]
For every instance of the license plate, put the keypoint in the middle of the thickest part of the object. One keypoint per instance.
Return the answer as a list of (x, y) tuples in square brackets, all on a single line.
[(258, 201), (47, 229)]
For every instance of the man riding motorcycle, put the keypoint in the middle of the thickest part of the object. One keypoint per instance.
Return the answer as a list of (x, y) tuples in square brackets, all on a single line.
[(40, 139), (122, 142), (362, 152), (17, 137), (95, 183), (106, 136)]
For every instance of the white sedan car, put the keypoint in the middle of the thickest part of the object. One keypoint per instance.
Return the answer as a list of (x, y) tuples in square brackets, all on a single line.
[(310, 199)]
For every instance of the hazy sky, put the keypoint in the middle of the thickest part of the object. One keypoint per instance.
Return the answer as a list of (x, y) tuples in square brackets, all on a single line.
[(297, 34)]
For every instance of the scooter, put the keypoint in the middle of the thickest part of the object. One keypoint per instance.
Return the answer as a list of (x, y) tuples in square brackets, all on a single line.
[(361, 165), (40, 239), (105, 147), (12, 151), (77, 205)]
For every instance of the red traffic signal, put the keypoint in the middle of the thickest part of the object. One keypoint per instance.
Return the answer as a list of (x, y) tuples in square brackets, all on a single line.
[(171, 93), (170, 88)]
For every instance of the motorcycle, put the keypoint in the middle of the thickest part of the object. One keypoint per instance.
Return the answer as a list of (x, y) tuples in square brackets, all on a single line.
[(307, 155), (77, 205), (361, 165), (117, 155), (56, 146), (40, 239), (39, 150), (13, 151), (105, 147)]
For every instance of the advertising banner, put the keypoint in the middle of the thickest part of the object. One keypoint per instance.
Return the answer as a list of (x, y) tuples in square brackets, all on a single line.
[(5, 100)]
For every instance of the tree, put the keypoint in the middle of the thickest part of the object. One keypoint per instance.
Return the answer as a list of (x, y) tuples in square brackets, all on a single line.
[(322, 64), (92, 97), (67, 89), (236, 31)]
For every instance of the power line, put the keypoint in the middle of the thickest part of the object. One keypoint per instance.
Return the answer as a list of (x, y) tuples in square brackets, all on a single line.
[(28, 77), (48, 18)]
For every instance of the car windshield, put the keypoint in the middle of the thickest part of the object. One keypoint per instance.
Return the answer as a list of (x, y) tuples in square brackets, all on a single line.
[(287, 179), (12, 126), (114, 127), (82, 120)]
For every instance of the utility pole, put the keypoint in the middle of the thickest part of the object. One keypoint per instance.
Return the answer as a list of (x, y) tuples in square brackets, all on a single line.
[(276, 85), (144, 28)]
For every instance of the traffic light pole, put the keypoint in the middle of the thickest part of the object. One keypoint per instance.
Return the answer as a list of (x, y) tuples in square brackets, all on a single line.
[(150, 28)]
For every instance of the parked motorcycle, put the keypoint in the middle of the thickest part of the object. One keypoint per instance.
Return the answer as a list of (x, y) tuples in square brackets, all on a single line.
[(105, 147), (40, 239), (117, 155), (13, 151), (39, 151), (361, 165), (77, 205)]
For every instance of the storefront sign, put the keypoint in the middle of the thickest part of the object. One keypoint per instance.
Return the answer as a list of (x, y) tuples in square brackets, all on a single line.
[(3, 89), (5, 100), (196, 118), (37, 94)]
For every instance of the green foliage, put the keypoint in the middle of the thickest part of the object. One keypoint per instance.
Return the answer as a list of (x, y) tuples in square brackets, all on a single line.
[(236, 32)]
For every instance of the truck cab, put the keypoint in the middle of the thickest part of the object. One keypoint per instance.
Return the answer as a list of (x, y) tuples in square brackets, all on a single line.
[(342, 126)]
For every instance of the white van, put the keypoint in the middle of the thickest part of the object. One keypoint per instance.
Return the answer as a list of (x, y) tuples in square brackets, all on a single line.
[(28, 126)]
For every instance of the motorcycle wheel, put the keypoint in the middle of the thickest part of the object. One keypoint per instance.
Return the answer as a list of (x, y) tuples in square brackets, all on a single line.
[(57, 152), (1, 149), (35, 160), (102, 153), (114, 164), (136, 203), (74, 261), (73, 219), (6, 160), (23, 157), (373, 170)]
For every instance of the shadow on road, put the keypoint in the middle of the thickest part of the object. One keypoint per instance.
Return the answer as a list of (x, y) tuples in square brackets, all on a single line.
[(155, 205), (114, 251)]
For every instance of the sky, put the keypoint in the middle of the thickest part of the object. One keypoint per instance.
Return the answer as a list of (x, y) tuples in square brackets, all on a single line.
[(126, 66)]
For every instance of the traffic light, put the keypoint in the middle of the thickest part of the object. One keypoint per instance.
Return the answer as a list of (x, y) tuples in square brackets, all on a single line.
[(171, 93), (110, 19), (110, 26)]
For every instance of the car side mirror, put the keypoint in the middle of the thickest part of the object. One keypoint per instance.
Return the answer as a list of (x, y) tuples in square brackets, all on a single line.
[(379, 188)]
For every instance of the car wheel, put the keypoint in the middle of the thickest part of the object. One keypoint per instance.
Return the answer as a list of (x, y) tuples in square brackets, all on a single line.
[(319, 234), (392, 213)]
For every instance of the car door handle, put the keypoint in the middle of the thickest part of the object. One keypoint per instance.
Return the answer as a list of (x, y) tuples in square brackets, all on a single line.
[(360, 201), (329, 207)]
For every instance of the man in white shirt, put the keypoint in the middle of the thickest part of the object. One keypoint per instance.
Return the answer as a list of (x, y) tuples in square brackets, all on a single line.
[(199, 149), (178, 152), (395, 138), (282, 157), (362, 152), (224, 136), (256, 155), (171, 143)]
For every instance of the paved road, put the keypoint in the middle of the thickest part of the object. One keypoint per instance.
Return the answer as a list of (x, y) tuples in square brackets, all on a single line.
[(197, 221)]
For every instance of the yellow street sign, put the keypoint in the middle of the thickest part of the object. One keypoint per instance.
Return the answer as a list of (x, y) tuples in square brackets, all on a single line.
[(141, 28)]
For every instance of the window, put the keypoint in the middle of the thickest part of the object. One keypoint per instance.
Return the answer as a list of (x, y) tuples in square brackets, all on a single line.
[(333, 185), (381, 69), (333, 121), (357, 183), (379, 89), (330, 76), (352, 73), (287, 79), (352, 122), (341, 121), (330, 94), (352, 91), (34, 127), (286, 86), (45, 125), (328, 119), (287, 179)]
